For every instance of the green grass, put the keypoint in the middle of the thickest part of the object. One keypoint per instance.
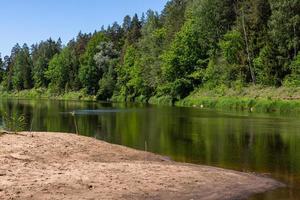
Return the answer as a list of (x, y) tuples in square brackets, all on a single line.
[(46, 94), (164, 100), (253, 99)]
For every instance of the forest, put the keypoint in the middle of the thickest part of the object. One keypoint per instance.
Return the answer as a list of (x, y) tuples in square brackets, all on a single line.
[(191, 44)]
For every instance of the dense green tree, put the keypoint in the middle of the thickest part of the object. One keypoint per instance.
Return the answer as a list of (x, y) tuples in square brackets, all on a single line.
[(173, 17), (252, 21), (190, 44), (184, 63), (58, 72), (182, 59), (126, 24), (2, 70), (150, 51), (232, 48), (285, 35), (129, 75), (42, 53), (22, 68), (285, 28), (115, 34), (211, 19), (106, 61), (293, 79), (27, 68), (77, 49), (89, 73), (7, 78), (134, 33)]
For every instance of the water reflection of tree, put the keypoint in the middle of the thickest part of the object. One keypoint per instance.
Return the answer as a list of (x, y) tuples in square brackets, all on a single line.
[(189, 135)]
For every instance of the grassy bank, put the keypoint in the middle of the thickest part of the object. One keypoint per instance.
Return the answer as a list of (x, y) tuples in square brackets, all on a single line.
[(46, 94), (253, 99)]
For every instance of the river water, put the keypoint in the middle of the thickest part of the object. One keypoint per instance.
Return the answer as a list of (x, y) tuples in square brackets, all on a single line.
[(261, 143)]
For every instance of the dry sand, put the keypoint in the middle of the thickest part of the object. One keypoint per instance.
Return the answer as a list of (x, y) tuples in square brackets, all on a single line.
[(67, 166)]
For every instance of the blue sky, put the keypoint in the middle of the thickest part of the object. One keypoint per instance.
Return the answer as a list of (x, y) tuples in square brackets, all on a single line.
[(31, 21)]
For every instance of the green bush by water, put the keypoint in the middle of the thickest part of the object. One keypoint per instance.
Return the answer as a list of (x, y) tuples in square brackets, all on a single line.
[(14, 122)]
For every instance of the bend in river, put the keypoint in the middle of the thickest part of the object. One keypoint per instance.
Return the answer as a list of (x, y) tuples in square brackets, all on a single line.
[(261, 143)]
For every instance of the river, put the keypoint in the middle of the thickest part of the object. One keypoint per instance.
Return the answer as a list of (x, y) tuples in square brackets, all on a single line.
[(268, 144)]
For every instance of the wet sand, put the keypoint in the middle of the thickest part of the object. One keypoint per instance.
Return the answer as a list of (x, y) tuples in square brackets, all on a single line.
[(67, 166)]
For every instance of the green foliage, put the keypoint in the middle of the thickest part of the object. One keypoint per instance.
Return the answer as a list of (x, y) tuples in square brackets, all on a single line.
[(193, 44), (181, 60), (293, 80), (2, 70), (106, 88), (14, 122), (89, 73), (232, 46), (129, 79), (59, 70), (21, 71), (219, 72), (241, 104), (265, 67), (106, 61), (77, 48), (285, 30), (212, 19), (149, 61), (162, 100), (41, 56), (134, 32), (173, 18), (232, 49)]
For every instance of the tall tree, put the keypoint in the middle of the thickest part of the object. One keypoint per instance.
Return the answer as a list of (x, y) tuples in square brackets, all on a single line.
[(211, 19), (150, 50), (206, 23), (129, 78), (2, 70), (21, 77), (252, 22), (181, 60), (59, 71), (106, 61), (285, 34), (77, 48), (173, 17), (126, 23), (7, 79), (42, 53), (115, 33), (89, 73), (134, 32)]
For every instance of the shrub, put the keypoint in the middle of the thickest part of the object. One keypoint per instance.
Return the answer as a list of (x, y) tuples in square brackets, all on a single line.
[(14, 123)]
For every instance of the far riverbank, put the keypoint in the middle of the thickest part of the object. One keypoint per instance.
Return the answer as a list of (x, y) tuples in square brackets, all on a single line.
[(252, 99)]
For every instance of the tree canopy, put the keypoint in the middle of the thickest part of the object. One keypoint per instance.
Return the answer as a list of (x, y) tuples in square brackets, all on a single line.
[(189, 45)]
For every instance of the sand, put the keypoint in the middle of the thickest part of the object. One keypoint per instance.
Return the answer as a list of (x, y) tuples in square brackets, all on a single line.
[(67, 166)]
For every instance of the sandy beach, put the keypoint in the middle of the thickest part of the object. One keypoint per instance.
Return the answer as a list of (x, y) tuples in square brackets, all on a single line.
[(67, 166)]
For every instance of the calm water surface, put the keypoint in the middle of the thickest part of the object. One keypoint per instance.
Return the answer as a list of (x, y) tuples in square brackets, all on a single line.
[(261, 143)]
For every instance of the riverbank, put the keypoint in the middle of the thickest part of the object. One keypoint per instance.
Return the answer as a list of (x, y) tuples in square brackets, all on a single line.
[(46, 94), (67, 166), (252, 98)]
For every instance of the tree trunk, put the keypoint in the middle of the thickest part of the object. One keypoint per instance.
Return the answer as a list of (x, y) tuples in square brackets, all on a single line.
[(248, 49)]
